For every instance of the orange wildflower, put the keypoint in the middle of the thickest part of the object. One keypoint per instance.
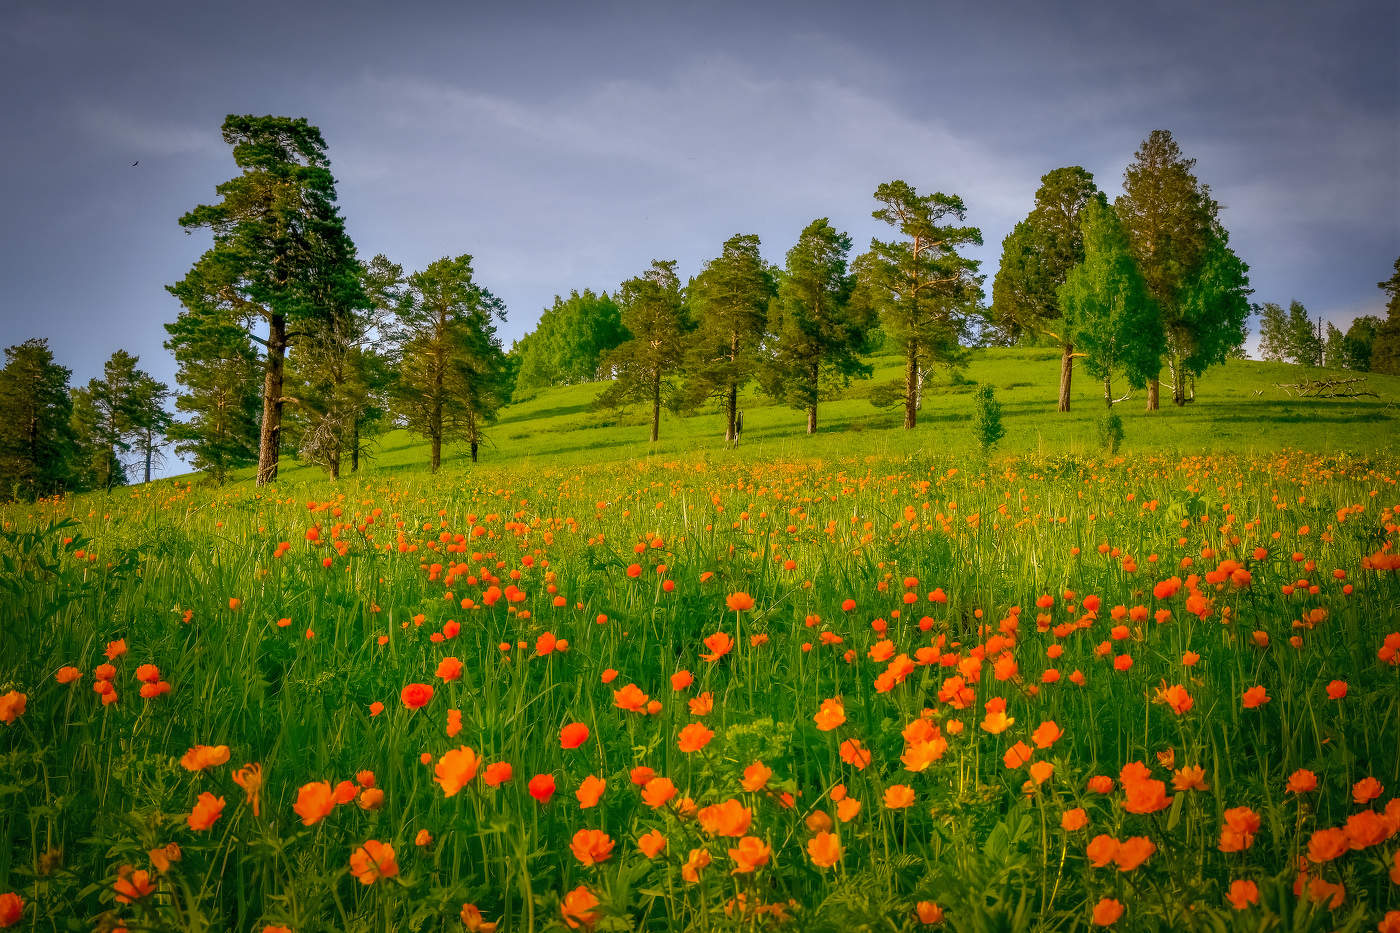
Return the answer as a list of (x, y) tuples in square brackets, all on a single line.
[(206, 811), (579, 908), (719, 644), (1132, 852), (694, 737), (542, 787), (1106, 912), (658, 792), (11, 909), (751, 853), (1017, 755), (730, 818), (456, 769), (591, 846), (738, 602), (314, 802), (1255, 697), (590, 792), (756, 777), (573, 735), (1046, 734), (698, 859), (372, 861), (652, 844), (630, 698), (898, 796), (204, 756), (1242, 894), (824, 849), (132, 885), (448, 669), (416, 696), (1302, 781), (831, 715), (1074, 820)]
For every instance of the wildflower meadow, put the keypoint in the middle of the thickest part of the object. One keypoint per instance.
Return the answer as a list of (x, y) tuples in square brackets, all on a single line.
[(1142, 694)]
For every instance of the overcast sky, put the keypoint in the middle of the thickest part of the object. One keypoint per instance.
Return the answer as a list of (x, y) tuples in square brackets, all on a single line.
[(567, 145)]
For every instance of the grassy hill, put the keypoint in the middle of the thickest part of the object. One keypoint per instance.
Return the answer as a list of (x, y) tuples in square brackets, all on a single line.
[(1238, 408)]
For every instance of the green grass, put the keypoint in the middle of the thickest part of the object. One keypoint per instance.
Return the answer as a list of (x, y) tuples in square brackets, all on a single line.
[(1238, 409)]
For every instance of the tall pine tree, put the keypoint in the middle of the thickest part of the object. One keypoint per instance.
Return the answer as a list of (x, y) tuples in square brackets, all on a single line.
[(644, 366), (37, 448)]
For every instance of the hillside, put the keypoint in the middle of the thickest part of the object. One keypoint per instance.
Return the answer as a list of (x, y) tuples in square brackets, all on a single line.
[(1238, 408)]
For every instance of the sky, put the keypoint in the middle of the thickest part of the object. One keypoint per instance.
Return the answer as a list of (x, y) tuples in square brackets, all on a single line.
[(565, 146)]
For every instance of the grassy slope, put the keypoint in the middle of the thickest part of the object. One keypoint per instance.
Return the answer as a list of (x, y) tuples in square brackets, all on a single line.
[(1238, 409)]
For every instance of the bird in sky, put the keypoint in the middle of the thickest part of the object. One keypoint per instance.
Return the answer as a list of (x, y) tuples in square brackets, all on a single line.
[(136, 163)]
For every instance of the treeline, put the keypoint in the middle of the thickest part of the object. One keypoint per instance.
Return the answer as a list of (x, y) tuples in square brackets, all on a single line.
[(287, 341)]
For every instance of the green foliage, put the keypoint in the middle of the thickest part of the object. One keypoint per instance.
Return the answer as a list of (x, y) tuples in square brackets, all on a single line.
[(1274, 337), (567, 345), (1108, 313), (921, 288), (219, 372), (1110, 432), (644, 366), (1039, 253), (1358, 342), (1385, 348), (986, 419), (729, 304), (818, 333), (36, 435), (450, 364), (121, 411)]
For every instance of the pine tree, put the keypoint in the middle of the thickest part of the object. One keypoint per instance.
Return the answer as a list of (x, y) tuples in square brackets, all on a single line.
[(37, 449), (1385, 348), (281, 257), (1036, 258), (729, 300), (1334, 348), (645, 366), (817, 333), (219, 372), (923, 290), (1304, 346), (113, 415), (450, 365), (1108, 310)]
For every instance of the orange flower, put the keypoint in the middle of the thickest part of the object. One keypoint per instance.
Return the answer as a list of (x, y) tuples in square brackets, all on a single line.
[(831, 714), (449, 669), (1255, 697), (371, 798), (1146, 797), (756, 777), (67, 674), (1366, 790), (898, 796), (702, 705), (573, 735), (1336, 690), (416, 696), (1074, 820), (1190, 777), (730, 818), (1132, 852), (249, 777), (824, 849), (542, 787), (1242, 894), (694, 737), (11, 909), (372, 861), (497, 773), (1101, 850), (996, 721), (918, 756), (473, 920), (1106, 912), (1046, 734), (698, 859), (456, 769), (719, 644), (204, 756), (1017, 755), (652, 844), (132, 885), (115, 649), (579, 908), (1176, 698), (630, 698), (1041, 771), (314, 802), (855, 754), (1101, 784), (847, 809), (11, 706), (162, 857), (590, 792), (1302, 781), (1324, 845), (682, 679), (206, 811), (738, 602), (591, 846), (751, 853), (424, 838), (928, 913), (657, 792)]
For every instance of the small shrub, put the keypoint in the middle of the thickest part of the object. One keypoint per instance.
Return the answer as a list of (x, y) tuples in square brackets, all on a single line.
[(1111, 432), (986, 419)]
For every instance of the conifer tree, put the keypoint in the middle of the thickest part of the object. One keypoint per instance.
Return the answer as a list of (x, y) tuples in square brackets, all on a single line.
[(36, 434), (645, 366)]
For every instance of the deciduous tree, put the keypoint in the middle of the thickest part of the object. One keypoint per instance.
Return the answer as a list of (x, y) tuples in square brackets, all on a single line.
[(567, 345)]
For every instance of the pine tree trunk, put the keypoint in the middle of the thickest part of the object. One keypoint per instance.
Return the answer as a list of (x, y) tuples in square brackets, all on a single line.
[(150, 448), (731, 407), (1153, 388), (655, 408), (435, 433), (1178, 384), (1066, 372), (474, 446), (355, 446), (815, 377), (1108, 390), (333, 465), (270, 438), (911, 383)]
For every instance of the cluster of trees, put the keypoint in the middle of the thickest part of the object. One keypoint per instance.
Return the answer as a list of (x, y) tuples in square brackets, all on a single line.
[(54, 438), (1144, 284), (1370, 344), (287, 340)]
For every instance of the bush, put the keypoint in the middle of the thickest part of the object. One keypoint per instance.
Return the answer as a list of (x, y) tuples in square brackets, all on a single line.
[(986, 419), (1110, 432)]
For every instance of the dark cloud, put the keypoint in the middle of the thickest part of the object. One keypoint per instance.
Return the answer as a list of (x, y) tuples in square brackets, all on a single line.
[(566, 145)]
